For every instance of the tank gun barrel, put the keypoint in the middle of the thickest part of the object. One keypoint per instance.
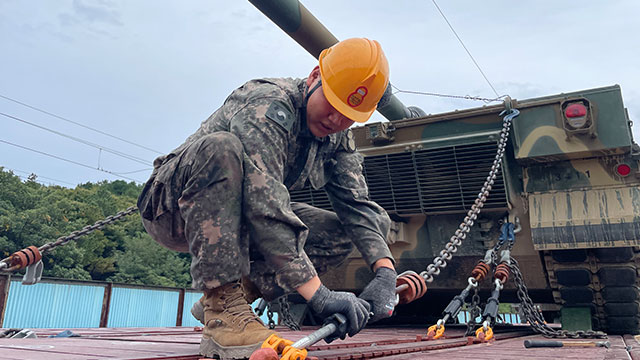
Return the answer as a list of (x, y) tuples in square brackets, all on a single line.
[(294, 19)]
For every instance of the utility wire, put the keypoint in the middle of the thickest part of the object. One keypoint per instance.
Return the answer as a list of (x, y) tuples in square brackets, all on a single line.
[(38, 176), (79, 124), (69, 161), (115, 152), (44, 183), (135, 171), (467, 97), (465, 48), (26, 178)]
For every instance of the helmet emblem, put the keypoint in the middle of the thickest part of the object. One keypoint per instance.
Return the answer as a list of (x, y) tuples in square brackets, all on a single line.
[(355, 98)]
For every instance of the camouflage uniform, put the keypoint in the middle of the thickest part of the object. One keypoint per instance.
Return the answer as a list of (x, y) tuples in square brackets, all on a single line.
[(223, 194)]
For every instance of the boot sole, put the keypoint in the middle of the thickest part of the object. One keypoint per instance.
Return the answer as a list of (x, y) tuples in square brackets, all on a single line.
[(197, 310), (210, 349)]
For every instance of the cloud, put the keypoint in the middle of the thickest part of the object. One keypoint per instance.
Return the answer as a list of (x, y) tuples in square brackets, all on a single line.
[(239, 14), (101, 12)]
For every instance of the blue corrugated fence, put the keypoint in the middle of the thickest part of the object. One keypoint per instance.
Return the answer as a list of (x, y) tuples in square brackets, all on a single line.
[(51, 305), (142, 308), (189, 299), (55, 303)]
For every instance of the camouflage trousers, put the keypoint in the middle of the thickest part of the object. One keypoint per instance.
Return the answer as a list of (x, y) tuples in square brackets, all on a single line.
[(198, 201)]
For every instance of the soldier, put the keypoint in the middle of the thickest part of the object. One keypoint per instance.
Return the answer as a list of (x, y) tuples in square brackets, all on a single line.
[(223, 196)]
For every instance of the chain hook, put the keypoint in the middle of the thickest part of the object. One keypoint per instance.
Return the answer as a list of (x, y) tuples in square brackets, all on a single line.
[(508, 105)]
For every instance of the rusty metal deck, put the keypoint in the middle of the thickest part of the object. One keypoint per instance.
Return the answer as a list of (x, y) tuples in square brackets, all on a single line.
[(380, 343)]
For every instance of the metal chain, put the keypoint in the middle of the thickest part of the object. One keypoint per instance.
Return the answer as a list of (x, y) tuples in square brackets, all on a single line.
[(87, 229), (534, 317), (474, 312), (501, 239), (76, 234), (272, 324), (287, 319), (440, 262), (494, 261)]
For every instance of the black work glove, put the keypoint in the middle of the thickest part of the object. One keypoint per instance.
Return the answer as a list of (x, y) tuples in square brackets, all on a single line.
[(381, 293), (326, 303)]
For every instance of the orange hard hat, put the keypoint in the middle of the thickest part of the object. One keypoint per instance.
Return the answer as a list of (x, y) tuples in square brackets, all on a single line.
[(355, 74)]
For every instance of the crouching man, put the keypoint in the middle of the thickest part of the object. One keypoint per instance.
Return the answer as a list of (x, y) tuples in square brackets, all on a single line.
[(223, 196)]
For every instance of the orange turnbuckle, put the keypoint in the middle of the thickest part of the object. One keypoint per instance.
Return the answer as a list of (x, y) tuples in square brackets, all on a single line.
[(502, 272), (452, 310), (480, 271), (415, 289), (435, 332), (292, 353), (276, 343), (25, 257)]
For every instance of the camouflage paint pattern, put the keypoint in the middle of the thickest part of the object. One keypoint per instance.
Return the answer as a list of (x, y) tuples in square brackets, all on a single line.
[(223, 194), (586, 218), (543, 137)]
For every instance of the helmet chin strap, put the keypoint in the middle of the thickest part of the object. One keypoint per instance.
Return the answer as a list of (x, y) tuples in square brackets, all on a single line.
[(306, 98)]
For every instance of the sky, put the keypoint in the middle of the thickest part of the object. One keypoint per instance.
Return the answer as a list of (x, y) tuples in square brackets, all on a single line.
[(150, 71)]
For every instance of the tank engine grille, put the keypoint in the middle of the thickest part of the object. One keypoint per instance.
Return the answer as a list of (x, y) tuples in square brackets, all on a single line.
[(434, 181)]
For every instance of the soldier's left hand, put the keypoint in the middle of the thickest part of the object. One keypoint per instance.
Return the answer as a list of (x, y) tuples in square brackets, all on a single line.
[(381, 293)]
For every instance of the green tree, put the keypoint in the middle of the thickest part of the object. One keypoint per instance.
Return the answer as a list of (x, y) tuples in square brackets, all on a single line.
[(34, 214)]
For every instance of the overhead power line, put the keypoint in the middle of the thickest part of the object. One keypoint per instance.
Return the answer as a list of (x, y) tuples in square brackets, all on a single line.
[(467, 97), (465, 48), (69, 161), (39, 176), (26, 178), (97, 146), (79, 124), (135, 171)]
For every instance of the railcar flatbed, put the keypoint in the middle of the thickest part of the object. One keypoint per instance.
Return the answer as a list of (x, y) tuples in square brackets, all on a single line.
[(397, 343)]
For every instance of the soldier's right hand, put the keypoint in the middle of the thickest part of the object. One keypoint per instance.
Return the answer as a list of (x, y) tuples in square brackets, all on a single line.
[(326, 303)]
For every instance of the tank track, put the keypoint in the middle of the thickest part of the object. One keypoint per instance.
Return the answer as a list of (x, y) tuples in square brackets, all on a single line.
[(604, 279)]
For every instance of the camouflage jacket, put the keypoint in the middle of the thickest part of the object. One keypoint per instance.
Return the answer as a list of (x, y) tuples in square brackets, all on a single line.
[(268, 116)]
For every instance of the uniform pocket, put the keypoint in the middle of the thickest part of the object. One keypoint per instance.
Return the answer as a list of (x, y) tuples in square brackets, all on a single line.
[(158, 196)]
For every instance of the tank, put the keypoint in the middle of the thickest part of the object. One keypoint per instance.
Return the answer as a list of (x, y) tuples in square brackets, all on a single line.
[(573, 194), (569, 182)]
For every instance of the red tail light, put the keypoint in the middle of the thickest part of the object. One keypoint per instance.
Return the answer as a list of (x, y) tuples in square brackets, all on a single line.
[(623, 170), (575, 110)]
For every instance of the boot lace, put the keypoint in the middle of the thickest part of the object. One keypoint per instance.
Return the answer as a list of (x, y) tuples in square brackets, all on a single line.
[(236, 305)]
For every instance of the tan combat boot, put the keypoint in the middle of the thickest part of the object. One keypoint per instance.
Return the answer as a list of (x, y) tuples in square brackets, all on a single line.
[(251, 293), (232, 330)]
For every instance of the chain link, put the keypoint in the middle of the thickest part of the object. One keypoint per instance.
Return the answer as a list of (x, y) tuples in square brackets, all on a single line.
[(474, 312), (285, 312), (501, 239), (87, 230), (534, 317), (84, 231), (460, 234), (272, 323)]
